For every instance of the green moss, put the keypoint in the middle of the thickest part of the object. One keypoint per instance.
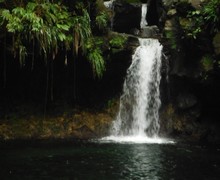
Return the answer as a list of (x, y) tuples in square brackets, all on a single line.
[(118, 41), (170, 35), (60, 126), (170, 110), (185, 23), (207, 63)]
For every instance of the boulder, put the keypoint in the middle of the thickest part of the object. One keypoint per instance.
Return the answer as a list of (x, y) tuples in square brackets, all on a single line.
[(168, 25), (126, 17), (149, 31), (133, 42), (196, 3), (171, 12)]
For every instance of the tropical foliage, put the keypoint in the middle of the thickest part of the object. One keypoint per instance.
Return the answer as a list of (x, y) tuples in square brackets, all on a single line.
[(118, 41), (102, 20), (103, 16), (94, 55), (207, 18), (207, 63), (46, 24), (51, 26)]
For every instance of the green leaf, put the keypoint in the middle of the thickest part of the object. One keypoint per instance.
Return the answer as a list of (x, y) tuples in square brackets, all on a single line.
[(63, 26), (6, 14), (62, 36), (31, 6), (97, 61), (18, 11)]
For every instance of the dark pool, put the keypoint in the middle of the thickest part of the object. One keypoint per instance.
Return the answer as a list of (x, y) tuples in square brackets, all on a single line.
[(94, 160)]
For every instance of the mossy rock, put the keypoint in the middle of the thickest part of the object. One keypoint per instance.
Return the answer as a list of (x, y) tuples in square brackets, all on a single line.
[(79, 124), (183, 7), (171, 12), (207, 63), (185, 23), (118, 41)]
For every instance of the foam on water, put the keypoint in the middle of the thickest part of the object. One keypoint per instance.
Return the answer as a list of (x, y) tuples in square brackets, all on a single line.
[(136, 140)]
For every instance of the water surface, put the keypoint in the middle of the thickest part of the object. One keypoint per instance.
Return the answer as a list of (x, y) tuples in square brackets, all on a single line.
[(95, 160)]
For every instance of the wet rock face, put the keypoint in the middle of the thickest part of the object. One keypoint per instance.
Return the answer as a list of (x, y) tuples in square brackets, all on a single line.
[(192, 106), (194, 3), (152, 14), (186, 101), (149, 31), (132, 42), (127, 17)]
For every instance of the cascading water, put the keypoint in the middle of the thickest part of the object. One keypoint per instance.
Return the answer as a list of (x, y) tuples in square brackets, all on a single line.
[(140, 101), (138, 117), (109, 4), (143, 16)]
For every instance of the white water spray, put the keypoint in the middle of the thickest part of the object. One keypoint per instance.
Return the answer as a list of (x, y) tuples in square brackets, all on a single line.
[(109, 4), (143, 22), (138, 117), (140, 102)]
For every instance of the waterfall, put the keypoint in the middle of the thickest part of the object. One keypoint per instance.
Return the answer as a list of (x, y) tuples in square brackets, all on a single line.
[(143, 22), (139, 104), (137, 120), (109, 4)]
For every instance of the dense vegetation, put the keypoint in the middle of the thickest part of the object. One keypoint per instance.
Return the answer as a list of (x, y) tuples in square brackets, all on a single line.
[(49, 27), (59, 56), (207, 18), (195, 28), (50, 41)]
